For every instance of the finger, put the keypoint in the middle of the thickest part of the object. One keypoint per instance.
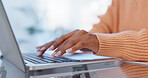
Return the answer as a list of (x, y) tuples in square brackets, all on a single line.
[(84, 41), (68, 45), (71, 43), (41, 53), (57, 54), (73, 48), (85, 49), (60, 40), (61, 46), (61, 50), (39, 47), (45, 47), (73, 37), (78, 46), (54, 54), (48, 45)]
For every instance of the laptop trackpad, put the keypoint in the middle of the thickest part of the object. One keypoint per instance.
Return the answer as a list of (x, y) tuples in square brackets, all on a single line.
[(82, 56)]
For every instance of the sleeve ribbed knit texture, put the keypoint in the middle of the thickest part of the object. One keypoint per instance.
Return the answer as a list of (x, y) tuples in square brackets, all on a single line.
[(128, 45), (123, 31)]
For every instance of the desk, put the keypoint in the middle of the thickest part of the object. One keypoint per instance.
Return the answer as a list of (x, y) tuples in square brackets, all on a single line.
[(114, 69)]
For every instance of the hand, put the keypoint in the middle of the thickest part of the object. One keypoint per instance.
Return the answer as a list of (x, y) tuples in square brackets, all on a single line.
[(71, 42)]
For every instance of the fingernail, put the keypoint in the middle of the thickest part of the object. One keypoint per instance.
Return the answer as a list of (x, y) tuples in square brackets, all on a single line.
[(51, 48), (69, 50), (58, 53), (40, 55), (38, 49), (53, 54), (43, 48)]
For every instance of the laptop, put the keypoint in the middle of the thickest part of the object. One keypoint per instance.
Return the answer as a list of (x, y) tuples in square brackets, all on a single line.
[(30, 61)]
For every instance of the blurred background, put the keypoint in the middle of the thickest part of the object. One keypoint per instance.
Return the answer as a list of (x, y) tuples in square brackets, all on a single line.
[(36, 22)]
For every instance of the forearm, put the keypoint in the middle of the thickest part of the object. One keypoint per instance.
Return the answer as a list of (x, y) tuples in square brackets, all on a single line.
[(128, 45)]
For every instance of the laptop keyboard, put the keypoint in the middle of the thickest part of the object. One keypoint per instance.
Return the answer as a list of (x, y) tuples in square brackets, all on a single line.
[(33, 58)]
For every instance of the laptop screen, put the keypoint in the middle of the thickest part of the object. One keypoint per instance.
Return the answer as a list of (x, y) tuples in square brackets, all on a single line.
[(36, 22)]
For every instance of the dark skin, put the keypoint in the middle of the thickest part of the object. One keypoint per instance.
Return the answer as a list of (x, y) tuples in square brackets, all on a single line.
[(71, 42)]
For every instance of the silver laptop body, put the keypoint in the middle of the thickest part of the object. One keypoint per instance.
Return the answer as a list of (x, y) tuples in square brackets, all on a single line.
[(11, 51)]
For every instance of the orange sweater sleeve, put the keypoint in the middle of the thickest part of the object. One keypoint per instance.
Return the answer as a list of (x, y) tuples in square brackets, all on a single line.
[(128, 45), (108, 22)]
